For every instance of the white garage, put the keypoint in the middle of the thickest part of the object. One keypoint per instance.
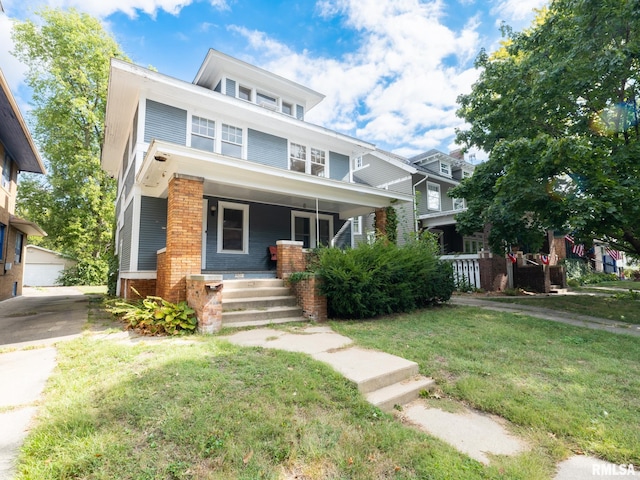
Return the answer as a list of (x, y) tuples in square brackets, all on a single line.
[(43, 267)]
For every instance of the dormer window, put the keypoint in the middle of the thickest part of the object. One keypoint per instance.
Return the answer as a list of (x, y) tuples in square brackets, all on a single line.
[(266, 101), (445, 169), (287, 108), (244, 93)]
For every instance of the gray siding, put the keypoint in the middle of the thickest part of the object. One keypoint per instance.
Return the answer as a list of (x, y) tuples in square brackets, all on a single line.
[(380, 172), (267, 149), (164, 122), (299, 112), (125, 157), (230, 87), (153, 231), (338, 166), (125, 238), (128, 182), (134, 139)]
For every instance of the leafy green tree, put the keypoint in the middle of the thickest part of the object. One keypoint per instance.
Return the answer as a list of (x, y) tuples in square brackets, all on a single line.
[(68, 57), (556, 107)]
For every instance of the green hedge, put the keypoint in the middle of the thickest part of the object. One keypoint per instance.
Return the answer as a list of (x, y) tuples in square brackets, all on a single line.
[(382, 278)]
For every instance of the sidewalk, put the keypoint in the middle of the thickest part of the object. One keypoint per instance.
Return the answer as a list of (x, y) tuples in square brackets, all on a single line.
[(574, 319)]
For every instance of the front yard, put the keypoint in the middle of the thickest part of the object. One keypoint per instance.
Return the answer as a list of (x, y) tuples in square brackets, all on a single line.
[(201, 408)]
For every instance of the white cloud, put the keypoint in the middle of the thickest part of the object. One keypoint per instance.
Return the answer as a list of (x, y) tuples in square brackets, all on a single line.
[(517, 11), (13, 70), (399, 88)]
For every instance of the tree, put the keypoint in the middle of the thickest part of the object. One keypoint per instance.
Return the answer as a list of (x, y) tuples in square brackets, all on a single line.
[(556, 108), (68, 59)]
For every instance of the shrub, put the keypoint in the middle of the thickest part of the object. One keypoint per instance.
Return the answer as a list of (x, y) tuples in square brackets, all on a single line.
[(382, 278), (155, 316), (88, 271)]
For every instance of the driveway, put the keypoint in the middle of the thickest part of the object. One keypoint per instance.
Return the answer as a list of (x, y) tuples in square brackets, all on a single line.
[(41, 317)]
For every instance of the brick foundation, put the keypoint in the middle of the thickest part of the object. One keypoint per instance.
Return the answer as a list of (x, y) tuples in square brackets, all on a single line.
[(146, 287), (184, 237)]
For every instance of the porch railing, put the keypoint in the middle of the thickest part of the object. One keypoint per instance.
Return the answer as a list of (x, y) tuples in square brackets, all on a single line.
[(466, 268)]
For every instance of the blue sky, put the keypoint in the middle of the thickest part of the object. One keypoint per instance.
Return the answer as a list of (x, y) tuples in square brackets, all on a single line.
[(390, 70)]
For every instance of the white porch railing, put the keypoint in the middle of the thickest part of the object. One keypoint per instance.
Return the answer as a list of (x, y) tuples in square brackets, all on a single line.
[(466, 268)]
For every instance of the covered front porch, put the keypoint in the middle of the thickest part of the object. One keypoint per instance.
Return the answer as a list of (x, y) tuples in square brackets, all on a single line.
[(223, 214)]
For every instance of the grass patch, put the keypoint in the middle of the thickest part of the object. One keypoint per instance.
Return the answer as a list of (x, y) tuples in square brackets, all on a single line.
[(92, 289), (577, 386), (210, 410), (609, 307)]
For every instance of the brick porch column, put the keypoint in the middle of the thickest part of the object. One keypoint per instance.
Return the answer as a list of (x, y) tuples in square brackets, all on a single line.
[(183, 254), (381, 222)]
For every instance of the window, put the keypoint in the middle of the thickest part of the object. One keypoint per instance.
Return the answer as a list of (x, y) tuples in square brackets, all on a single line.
[(231, 141), (3, 229), (233, 228), (445, 169), (357, 162), (6, 172), (266, 100), (203, 133), (311, 231), (287, 108), (244, 93), (433, 196), (465, 174), (356, 225), (317, 162), (458, 203), (19, 243), (473, 244), (297, 157)]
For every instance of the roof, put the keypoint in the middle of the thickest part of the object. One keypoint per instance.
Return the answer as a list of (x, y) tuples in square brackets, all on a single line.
[(216, 64), (46, 250), (25, 226), (14, 133)]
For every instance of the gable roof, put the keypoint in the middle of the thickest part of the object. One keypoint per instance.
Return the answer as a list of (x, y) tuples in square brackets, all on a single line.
[(14, 133)]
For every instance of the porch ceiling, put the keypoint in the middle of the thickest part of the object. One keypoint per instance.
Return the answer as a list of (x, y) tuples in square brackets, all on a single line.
[(234, 178)]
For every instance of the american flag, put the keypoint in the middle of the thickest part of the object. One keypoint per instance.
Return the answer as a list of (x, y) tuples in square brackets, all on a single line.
[(614, 254), (577, 249)]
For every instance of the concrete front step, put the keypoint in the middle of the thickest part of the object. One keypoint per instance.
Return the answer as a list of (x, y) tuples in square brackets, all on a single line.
[(230, 319), (251, 283), (370, 370), (258, 303), (258, 322), (234, 292), (400, 393), (558, 289)]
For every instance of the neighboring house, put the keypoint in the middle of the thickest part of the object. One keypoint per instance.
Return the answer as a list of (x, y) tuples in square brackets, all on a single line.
[(437, 173), (212, 173), (17, 154), (43, 267)]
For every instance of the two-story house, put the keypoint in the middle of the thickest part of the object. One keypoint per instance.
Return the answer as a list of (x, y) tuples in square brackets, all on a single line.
[(214, 172), (17, 153), (437, 173)]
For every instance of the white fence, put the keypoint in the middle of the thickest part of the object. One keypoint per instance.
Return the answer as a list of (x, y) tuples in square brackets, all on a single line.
[(466, 269)]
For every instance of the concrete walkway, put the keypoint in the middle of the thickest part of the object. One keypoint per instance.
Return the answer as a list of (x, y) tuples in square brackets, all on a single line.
[(574, 319)]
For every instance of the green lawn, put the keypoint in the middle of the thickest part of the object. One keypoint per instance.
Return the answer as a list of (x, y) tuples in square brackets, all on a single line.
[(621, 309), (200, 408)]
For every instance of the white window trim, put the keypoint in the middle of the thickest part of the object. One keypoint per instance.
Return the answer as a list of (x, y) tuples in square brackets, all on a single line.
[(307, 160), (439, 197), (462, 207), (245, 226), (312, 230), (448, 173)]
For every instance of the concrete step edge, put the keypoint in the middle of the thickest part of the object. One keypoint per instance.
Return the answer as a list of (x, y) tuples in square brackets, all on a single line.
[(400, 393), (388, 378), (258, 323)]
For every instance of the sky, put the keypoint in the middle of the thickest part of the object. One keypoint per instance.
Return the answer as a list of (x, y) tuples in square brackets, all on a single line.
[(390, 70)]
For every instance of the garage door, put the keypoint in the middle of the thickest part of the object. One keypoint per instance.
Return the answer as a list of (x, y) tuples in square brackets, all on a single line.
[(41, 275)]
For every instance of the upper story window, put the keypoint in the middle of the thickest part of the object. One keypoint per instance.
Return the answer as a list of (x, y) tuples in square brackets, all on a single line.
[(231, 141), (244, 93), (433, 196), (312, 160), (445, 169), (297, 157), (356, 225), (358, 162), (6, 172), (265, 100), (458, 203), (203, 133), (317, 162), (287, 108)]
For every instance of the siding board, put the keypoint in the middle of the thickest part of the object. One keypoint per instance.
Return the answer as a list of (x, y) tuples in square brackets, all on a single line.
[(338, 166), (164, 122), (125, 238), (153, 231), (267, 149)]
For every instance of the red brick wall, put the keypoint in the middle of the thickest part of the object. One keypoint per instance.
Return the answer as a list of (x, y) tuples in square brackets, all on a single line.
[(144, 286), (184, 236), (14, 276), (314, 305), (493, 272), (290, 258), (381, 222)]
